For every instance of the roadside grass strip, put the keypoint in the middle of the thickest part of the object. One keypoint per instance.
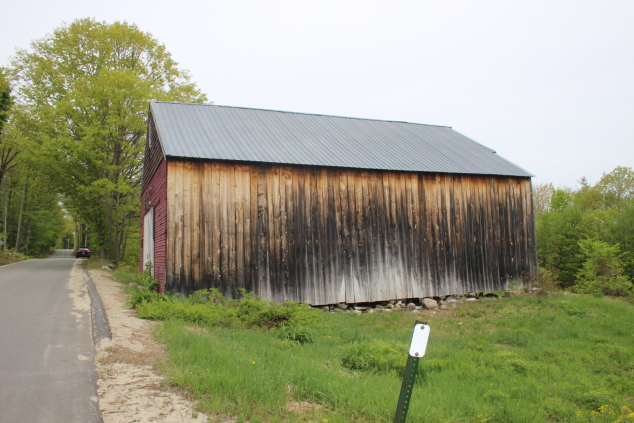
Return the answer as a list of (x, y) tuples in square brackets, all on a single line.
[(559, 358)]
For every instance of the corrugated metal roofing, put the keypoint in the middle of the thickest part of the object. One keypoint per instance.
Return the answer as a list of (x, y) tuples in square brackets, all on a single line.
[(233, 133)]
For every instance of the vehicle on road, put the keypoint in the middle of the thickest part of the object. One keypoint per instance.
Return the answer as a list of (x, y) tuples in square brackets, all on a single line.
[(82, 252)]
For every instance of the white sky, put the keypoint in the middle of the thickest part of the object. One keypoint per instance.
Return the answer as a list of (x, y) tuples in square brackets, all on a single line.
[(548, 84)]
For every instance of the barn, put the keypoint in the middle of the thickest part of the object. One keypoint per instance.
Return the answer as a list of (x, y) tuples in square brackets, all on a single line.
[(326, 209)]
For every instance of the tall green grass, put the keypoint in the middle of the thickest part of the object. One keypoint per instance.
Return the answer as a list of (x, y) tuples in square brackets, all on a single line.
[(560, 358)]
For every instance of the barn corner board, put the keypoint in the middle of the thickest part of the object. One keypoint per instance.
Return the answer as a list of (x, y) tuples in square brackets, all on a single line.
[(324, 209)]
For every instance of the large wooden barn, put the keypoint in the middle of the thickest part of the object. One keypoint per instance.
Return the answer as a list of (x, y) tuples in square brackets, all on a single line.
[(324, 209)]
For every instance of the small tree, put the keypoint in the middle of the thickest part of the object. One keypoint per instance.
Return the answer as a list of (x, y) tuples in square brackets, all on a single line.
[(602, 270)]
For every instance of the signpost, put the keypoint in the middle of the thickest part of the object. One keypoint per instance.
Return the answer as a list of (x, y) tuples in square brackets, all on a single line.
[(416, 351)]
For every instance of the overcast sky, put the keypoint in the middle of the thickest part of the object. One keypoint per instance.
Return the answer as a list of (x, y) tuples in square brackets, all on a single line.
[(548, 84)]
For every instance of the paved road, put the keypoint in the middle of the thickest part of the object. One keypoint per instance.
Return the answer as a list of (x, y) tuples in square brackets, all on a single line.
[(47, 366)]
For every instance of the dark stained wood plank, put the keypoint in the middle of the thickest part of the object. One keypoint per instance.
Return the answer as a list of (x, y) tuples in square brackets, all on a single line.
[(216, 224), (264, 282), (224, 207), (252, 282), (381, 278), (345, 235), (416, 283), (187, 223), (314, 234), (323, 240), (293, 283), (196, 220), (246, 281), (339, 291), (370, 278), (207, 222), (173, 202), (240, 204), (289, 289), (296, 236), (273, 192), (426, 247), (329, 249)]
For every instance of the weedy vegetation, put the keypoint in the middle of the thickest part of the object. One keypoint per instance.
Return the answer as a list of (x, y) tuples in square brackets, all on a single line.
[(10, 256), (534, 358)]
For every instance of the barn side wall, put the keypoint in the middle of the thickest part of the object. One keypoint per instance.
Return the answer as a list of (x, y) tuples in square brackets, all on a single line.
[(155, 195), (329, 235)]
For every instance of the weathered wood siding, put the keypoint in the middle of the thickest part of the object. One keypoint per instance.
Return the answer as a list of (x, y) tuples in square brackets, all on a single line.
[(155, 196), (329, 235)]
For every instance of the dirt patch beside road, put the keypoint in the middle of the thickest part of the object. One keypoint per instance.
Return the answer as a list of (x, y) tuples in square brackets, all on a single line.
[(130, 390)]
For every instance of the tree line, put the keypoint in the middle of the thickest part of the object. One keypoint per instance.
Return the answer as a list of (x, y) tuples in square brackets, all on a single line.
[(31, 215), (585, 236), (74, 109)]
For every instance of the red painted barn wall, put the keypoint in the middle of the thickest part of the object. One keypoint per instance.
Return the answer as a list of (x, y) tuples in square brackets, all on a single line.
[(155, 195)]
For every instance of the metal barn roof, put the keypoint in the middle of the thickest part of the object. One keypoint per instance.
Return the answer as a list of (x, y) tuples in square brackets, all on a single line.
[(232, 133)]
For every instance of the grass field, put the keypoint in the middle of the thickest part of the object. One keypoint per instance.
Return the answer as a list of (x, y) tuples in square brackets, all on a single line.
[(558, 358)]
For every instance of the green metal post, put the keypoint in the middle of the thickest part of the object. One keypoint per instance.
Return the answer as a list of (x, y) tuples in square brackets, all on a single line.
[(416, 351), (406, 389)]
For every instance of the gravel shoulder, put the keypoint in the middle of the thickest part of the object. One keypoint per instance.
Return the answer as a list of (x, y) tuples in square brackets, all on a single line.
[(130, 388)]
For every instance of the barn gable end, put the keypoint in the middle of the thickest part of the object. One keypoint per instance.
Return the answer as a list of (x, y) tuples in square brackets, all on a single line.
[(154, 196)]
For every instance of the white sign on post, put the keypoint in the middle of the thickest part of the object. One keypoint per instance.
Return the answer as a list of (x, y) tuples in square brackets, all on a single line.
[(419, 340)]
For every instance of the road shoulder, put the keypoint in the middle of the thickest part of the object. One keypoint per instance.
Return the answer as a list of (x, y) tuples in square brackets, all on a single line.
[(130, 389)]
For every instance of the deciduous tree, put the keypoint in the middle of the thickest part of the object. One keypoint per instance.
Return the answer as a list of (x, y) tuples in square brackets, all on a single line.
[(88, 85)]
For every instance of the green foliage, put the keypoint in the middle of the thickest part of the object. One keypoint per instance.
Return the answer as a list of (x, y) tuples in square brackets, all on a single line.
[(574, 220), (559, 235), (147, 280), (555, 358), (602, 270), (132, 252), (295, 333), (257, 312), (34, 209), (5, 100), (125, 276), (376, 355), (85, 89), (210, 308), (142, 297), (145, 291), (11, 256)]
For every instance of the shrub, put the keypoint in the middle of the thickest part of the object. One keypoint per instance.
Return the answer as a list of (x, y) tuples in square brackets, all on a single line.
[(602, 270), (209, 307), (143, 296), (295, 333), (548, 281), (375, 355), (147, 280), (254, 311)]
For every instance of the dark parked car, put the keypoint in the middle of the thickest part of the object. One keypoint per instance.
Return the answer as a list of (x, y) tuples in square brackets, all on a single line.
[(82, 252)]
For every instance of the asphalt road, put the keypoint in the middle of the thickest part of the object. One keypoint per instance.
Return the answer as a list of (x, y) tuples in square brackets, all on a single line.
[(47, 357)]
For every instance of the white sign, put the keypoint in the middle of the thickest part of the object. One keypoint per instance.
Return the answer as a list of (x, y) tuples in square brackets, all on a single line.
[(419, 340)]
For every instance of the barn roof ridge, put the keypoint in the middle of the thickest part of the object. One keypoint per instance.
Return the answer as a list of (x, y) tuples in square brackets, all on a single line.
[(298, 113), (215, 132)]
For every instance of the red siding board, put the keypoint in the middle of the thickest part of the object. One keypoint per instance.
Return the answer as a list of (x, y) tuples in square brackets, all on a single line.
[(155, 195)]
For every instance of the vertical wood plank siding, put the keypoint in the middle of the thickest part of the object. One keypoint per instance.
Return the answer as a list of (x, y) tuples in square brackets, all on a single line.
[(330, 235), (154, 194)]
